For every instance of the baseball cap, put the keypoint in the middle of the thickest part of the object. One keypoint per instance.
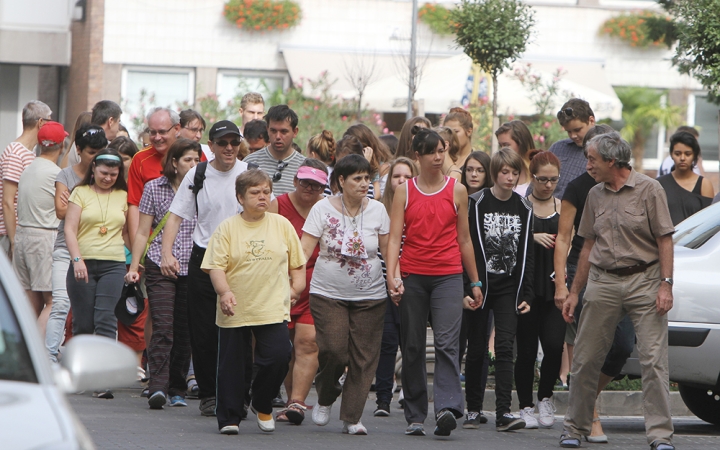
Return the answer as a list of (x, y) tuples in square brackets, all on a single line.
[(222, 128), (311, 173), (52, 133)]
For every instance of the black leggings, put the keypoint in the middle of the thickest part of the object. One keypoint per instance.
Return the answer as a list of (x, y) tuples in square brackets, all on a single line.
[(544, 321)]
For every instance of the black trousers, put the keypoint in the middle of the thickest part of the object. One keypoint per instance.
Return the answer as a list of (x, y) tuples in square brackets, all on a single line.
[(385, 372), (272, 357), (201, 306), (478, 393), (544, 321), (503, 307)]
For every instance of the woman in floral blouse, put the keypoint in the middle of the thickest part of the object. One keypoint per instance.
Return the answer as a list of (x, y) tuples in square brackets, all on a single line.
[(347, 291)]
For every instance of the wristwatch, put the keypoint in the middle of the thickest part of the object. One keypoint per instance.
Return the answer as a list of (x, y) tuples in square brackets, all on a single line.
[(476, 284), (668, 281), (77, 258)]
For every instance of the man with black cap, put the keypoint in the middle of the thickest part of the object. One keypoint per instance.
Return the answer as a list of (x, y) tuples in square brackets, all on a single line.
[(37, 223), (207, 190)]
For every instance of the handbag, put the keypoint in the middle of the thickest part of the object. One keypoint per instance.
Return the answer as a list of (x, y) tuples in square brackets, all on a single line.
[(154, 234)]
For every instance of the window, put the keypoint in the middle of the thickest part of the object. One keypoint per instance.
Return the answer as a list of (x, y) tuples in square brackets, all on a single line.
[(147, 87), (704, 116), (15, 361), (236, 84)]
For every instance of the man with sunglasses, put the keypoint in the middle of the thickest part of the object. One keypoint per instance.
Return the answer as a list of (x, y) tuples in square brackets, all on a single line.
[(147, 164), (212, 204), (576, 117), (279, 159)]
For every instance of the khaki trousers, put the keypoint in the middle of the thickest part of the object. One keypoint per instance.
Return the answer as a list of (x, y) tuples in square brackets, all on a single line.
[(607, 298)]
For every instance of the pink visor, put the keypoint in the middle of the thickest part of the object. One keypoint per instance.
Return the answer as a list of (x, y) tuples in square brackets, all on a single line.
[(311, 173)]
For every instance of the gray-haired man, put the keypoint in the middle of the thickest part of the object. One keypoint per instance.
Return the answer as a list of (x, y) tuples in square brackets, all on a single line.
[(627, 262)]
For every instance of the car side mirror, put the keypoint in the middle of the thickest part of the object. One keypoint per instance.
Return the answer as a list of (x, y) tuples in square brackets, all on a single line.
[(95, 362)]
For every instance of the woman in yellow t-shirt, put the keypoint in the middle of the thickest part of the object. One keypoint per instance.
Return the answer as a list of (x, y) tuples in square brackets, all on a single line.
[(250, 257), (96, 233)]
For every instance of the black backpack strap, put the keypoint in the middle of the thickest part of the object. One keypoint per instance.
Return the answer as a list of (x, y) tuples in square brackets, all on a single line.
[(198, 181), (252, 166)]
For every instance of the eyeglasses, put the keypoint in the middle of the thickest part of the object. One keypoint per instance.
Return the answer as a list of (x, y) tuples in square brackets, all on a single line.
[(195, 130), (567, 112), (315, 187), (234, 143), (160, 132), (546, 180), (475, 170), (278, 175)]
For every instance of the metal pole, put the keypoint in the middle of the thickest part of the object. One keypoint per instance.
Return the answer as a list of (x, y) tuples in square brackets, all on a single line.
[(412, 68)]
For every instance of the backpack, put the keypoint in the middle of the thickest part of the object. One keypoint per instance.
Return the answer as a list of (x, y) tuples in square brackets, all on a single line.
[(199, 179)]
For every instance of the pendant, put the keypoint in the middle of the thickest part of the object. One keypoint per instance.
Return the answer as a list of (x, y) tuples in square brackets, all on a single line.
[(103, 230)]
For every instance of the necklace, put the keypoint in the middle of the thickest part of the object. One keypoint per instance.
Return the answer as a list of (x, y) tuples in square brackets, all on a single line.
[(103, 229), (540, 199), (353, 218)]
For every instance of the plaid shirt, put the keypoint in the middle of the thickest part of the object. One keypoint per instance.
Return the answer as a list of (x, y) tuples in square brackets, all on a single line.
[(572, 163), (156, 199)]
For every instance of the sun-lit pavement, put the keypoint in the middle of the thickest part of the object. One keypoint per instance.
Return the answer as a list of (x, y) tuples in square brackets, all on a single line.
[(126, 423)]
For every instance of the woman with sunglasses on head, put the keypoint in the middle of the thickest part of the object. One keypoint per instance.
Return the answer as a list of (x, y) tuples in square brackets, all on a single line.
[(169, 349), (516, 136), (544, 321), (347, 291), (461, 122), (375, 151), (95, 232), (89, 140), (431, 211), (295, 206), (687, 192)]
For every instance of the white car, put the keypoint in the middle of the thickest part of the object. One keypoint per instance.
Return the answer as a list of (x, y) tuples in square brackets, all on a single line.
[(694, 320), (34, 413)]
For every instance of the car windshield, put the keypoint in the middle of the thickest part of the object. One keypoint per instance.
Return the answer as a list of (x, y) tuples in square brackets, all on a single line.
[(15, 362), (697, 229)]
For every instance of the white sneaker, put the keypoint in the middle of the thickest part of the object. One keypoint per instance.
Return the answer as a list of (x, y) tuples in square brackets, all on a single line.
[(321, 414), (528, 415), (547, 413), (354, 428)]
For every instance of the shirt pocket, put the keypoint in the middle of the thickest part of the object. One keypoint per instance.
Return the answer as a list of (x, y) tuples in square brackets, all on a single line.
[(635, 217), (601, 222)]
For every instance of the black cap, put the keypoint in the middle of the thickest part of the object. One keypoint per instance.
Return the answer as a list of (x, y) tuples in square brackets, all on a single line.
[(222, 128), (130, 305)]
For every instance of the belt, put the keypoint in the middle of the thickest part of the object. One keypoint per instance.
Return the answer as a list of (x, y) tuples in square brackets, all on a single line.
[(632, 270)]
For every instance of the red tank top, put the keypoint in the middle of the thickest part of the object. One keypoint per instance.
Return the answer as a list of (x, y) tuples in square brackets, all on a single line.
[(431, 246), (287, 210)]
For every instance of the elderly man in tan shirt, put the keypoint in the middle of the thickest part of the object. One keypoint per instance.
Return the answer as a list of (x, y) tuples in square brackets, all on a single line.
[(627, 263)]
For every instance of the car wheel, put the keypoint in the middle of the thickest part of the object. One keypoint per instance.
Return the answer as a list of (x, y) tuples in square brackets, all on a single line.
[(704, 403)]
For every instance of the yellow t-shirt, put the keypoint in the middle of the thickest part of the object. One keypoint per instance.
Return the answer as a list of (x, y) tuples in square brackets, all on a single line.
[(256, 257), (98, 210)]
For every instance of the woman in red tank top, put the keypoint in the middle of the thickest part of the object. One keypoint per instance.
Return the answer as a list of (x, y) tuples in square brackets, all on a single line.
[(427, 280), (295, 206)]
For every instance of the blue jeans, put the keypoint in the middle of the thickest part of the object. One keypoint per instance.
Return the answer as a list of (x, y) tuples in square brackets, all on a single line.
[(61, 302)]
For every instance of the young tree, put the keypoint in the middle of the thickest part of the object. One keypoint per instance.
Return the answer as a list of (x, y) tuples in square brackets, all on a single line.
[(493, 33)]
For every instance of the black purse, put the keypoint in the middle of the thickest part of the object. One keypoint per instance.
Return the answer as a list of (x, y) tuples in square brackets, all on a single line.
[(130, 305)]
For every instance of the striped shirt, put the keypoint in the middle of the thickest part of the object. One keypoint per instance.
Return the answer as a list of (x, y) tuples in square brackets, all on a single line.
[(573, 163), (13, 162), (269, 165)]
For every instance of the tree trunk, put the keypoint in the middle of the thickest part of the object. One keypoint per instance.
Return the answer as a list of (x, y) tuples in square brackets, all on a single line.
[(359, 107), (495, 95), (638, 151), (495, 120)]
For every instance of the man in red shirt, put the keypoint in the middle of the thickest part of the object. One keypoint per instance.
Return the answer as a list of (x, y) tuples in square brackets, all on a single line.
[(147, 164)]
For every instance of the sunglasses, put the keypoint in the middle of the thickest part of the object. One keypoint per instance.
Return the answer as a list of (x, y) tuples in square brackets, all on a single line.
[(315, 187), (567, 112), (278, 175), (234, 143)]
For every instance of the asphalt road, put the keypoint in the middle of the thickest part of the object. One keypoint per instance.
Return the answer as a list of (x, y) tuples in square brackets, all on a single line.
[(125, 422)]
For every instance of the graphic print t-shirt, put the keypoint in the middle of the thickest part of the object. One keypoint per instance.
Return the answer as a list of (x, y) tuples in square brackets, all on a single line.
[(502, 228)]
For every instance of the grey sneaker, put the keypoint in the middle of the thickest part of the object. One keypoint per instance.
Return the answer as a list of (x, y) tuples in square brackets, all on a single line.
[(157, 400), (415, 429), (207, 407), (321, 414), (508, 422), (473, 420)]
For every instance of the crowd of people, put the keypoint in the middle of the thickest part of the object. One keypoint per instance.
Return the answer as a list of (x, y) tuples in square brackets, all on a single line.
[(266, 261)]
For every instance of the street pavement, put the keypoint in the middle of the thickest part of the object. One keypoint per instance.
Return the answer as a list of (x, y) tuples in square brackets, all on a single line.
[(126, 422)]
